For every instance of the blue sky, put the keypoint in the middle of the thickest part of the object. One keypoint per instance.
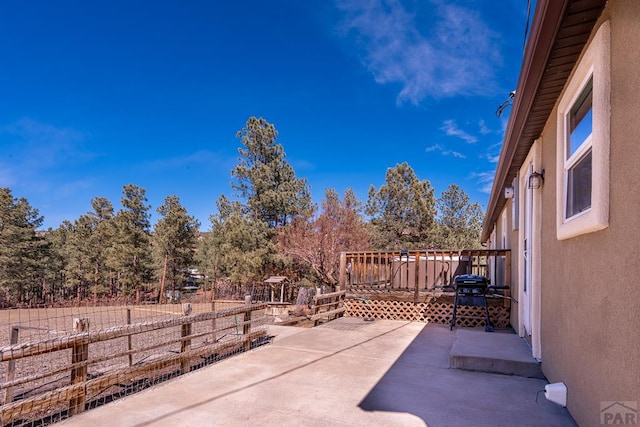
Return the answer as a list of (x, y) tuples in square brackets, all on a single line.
[(97, 95)]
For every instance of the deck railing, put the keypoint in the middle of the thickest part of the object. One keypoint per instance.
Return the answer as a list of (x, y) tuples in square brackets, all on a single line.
[(421, 270), (416, 285)]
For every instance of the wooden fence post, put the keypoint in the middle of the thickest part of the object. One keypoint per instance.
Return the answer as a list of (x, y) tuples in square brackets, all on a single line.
[(342, 272), (79, 374), (11, 368), (315, 308), (214, 337), (416, 279), (185, 344), (129, 346), (163, 281), (246, 328)]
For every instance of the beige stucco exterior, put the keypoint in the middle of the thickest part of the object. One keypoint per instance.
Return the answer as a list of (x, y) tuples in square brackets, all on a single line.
[(590, 319), (590, 284)]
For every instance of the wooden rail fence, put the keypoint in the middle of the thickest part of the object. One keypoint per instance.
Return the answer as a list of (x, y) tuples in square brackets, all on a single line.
[(80, 386), (329, 306)]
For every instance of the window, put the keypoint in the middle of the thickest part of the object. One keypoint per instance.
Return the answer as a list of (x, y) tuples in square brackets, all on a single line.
[(582, 191), (578, 164), (581, 119), (579, 186)]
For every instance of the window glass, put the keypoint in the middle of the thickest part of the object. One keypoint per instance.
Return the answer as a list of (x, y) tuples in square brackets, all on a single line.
[(580, 119), (579, 186)]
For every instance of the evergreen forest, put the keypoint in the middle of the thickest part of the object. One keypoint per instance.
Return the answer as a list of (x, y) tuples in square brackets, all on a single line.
[(268, 225)]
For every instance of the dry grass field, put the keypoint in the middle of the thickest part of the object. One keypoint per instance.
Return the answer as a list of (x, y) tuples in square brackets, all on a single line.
[(44, 323)]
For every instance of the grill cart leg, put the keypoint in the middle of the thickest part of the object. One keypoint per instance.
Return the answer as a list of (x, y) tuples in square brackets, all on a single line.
[(489, 327), (455, 307)]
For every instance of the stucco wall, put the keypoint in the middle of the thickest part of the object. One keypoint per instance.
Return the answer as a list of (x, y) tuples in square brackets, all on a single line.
[(511, 243), (590, 292)]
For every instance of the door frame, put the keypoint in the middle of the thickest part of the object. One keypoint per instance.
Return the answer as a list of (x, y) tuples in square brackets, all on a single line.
[(527, 252), (530, 328)]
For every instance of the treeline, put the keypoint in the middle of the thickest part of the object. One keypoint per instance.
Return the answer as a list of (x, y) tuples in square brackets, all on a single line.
[(270, 228)]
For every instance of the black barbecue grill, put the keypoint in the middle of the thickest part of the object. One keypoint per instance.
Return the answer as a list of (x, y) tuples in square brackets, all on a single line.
[(471, 290)]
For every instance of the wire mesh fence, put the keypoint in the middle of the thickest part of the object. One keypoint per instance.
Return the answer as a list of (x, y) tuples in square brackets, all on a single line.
[(56, 362)]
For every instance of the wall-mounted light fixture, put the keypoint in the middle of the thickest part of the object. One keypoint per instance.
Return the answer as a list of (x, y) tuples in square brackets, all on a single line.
[(536, 179)]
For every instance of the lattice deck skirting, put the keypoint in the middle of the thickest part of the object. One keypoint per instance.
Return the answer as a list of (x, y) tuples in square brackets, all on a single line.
[(428, 312)]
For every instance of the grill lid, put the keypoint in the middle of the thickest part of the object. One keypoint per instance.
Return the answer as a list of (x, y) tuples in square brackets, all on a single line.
[(471, 279)]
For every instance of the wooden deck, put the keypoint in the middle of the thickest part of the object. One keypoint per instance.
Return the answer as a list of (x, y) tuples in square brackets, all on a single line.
[(416, 285), (421, 269)]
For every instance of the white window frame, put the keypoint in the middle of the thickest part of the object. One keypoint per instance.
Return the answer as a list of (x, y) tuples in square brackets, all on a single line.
[(594, 65), (572, 159)]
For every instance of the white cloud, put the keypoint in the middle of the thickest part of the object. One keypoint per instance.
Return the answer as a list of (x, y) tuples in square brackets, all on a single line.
[(454, 56), (439, 148), (451, 129), (493, 153), (484, 129), (503, 125), (69, 189), (30, 150), (485, 180), (46, 144)]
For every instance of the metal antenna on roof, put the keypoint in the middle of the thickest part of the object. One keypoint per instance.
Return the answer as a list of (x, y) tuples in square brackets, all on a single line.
[(512, 94), (505, 104)]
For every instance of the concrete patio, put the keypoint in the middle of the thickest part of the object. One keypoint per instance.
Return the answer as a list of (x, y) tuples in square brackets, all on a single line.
[(348, 373)]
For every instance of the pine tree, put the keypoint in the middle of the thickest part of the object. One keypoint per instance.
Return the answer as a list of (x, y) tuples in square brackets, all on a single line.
[(264, 177), (130, 256), (55, 263), (78, 255), (20, 249), (459, 222), (174, 241), (402, 211), (239, 246), (102, 236)]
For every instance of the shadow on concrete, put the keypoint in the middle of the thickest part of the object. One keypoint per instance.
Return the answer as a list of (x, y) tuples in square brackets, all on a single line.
[(421, 383)]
